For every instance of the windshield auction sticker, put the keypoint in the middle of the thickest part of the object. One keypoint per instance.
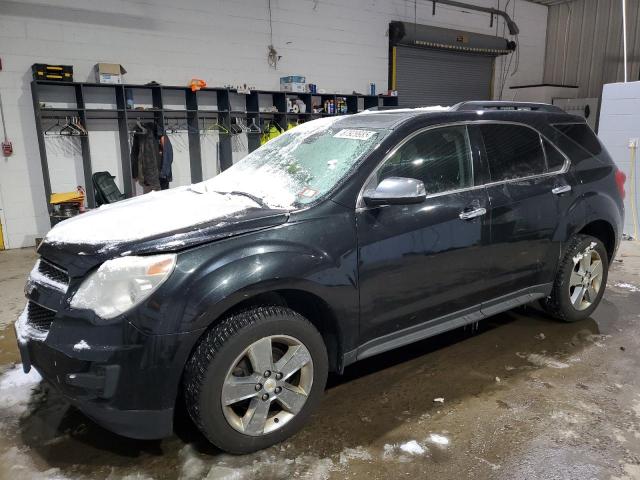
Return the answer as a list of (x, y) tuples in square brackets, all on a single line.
[(308, 193), (355, 134)]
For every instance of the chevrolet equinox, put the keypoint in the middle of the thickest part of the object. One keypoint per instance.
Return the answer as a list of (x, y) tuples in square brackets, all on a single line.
[(341, 239)]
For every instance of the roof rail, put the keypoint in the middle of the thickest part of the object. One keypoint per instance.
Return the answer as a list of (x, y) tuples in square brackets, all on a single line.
[(386, 107), (503, 105)]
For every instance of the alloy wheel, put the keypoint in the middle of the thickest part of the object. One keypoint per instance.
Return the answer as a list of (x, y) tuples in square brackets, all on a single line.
[(267, 385), (586, 278)]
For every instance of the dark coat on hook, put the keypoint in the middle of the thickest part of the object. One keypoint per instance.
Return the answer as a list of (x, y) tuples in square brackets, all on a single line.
[(145, 157)]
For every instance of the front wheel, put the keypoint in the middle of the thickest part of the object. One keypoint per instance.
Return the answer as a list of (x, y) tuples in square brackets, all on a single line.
[(255, 378), (580, 281)]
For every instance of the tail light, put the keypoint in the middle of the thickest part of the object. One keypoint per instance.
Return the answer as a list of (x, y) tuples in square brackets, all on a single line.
[(620, 179)]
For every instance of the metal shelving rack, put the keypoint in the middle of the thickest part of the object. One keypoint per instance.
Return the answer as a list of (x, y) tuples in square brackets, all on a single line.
[(224, 113)]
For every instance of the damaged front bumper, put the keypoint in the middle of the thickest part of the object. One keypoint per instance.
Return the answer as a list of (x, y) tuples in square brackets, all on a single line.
[(125, 380)]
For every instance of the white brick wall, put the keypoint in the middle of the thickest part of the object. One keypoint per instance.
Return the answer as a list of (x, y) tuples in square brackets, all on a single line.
[(339, 45)]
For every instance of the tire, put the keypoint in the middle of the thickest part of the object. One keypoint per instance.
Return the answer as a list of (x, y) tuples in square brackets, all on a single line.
[(564, 302), (222, 369)]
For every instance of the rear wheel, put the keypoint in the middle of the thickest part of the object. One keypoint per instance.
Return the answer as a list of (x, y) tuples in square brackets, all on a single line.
[(580, 281), (255, 378)]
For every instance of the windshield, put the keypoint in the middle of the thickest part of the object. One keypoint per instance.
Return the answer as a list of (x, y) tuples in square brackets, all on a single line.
[(300, 166)]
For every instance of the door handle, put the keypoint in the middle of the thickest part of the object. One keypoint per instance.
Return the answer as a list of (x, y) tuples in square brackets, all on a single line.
[(469, 214), (562, 189)]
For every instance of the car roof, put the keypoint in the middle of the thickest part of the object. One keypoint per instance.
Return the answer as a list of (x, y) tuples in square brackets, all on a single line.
[(393, 117)]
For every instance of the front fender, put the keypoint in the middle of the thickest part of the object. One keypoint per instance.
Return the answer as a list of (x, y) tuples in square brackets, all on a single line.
[(211, 279), (227, 285)]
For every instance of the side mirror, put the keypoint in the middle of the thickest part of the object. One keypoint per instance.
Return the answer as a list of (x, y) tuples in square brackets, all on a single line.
[(395, 191)]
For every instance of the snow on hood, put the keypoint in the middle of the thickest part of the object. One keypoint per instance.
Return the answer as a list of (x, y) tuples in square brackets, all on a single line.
[(148, 215)]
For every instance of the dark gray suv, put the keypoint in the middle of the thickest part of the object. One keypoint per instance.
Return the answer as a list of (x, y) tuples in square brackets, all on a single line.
[(341, 239)]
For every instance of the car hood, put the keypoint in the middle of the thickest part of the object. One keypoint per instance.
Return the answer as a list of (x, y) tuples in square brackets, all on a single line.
[(156, 222)]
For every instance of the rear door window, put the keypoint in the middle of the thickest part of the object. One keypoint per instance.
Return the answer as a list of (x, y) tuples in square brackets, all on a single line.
[(513, 151)]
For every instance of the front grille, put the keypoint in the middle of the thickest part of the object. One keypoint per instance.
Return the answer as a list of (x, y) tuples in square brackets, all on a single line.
[(39, 317), (53, 272)]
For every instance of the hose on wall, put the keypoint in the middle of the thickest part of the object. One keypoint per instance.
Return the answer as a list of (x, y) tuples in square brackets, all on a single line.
[(633, 146)]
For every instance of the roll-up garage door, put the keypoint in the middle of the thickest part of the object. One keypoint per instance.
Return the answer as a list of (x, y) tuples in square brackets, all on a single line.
[(435, 77)]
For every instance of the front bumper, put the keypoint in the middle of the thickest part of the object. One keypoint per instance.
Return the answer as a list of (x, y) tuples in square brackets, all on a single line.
[(123, 379)]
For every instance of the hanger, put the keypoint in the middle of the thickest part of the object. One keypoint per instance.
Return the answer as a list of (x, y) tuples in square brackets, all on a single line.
[(215, 127), (72, 127), (236, 128), (254, 128), (57, 124), (75, 123)]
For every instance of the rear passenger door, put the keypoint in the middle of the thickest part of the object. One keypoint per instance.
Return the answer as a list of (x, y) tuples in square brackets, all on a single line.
[(524, 189)]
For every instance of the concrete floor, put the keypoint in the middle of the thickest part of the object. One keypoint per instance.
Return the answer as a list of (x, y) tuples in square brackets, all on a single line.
[(523, 397)]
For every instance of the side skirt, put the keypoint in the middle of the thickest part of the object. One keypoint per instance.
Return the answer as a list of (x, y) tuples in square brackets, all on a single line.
[(445, 323)]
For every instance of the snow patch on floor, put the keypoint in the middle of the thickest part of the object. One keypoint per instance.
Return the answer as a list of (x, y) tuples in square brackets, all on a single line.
[(628, 286), (542, 360), (438, 439), (15, 390), (412, 447), (358, 453), (263, 464), (320, 469), (403, 452), (193, 466), (21, 466)]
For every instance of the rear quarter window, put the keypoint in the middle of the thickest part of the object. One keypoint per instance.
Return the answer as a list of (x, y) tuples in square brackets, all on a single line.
[(580, 136)]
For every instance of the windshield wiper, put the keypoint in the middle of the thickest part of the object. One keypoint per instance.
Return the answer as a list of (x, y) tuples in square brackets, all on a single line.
[(258, 200)]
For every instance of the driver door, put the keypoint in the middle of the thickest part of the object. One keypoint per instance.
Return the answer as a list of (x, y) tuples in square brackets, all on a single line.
[(420, 262)]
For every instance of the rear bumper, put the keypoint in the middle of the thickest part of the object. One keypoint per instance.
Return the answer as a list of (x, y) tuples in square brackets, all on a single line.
[(124, 380)]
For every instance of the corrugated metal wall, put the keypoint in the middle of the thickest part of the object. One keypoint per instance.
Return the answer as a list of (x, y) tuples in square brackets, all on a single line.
[(584, 44)]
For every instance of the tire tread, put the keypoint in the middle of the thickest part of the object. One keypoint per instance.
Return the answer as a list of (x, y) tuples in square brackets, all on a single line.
[(213, 341), (553, 303)]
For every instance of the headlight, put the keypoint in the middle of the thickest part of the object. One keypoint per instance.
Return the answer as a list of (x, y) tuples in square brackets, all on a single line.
[(122, 283)]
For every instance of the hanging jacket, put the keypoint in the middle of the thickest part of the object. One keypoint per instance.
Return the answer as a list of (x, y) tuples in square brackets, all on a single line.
[(145, 158), (166, 150), (272, 131)]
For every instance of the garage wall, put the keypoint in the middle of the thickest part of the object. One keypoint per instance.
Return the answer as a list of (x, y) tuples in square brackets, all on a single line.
[(341, 46), (584, 44)]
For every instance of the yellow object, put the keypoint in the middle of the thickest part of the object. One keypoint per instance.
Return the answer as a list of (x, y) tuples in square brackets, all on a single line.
[(393, 68), (68, 197), (1, 238), (271, 132)]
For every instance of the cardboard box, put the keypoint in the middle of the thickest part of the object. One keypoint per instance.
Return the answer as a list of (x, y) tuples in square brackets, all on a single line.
[(294, 87), (293, 79), (109, 72)]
